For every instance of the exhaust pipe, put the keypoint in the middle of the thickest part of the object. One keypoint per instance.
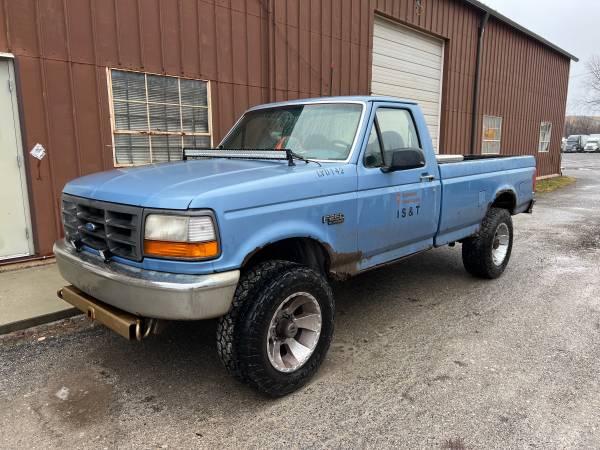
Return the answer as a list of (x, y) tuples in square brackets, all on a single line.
[(130, 326)]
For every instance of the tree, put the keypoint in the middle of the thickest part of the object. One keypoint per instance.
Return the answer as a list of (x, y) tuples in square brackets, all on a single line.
[(582, 125), (592, 82)]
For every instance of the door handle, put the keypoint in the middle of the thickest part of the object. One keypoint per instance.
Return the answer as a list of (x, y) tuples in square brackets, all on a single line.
[(427, 177)]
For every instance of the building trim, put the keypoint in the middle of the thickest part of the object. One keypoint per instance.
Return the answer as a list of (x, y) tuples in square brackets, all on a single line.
[(522, 29), (477, 83)]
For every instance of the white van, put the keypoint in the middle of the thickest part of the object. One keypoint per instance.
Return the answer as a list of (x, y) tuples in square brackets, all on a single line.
[(593, 144)]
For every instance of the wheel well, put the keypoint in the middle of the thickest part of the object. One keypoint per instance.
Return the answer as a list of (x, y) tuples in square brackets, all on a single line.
[(306, 251), (505, 200)]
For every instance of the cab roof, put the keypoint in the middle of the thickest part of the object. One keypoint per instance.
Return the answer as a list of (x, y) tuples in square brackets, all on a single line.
[(342, 99)]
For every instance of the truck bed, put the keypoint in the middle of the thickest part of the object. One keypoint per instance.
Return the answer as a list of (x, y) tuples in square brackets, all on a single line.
[(471, 185)]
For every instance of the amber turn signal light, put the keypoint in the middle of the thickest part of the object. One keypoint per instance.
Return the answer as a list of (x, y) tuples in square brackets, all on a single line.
[(181, 249)]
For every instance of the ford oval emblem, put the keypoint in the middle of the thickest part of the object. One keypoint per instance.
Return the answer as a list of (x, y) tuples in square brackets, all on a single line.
[(90, 226)]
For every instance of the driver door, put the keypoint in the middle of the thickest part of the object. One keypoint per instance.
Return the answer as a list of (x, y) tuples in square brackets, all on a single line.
[(397, 211)]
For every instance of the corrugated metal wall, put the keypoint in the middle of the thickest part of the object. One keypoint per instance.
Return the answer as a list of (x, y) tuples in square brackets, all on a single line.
[(525, 84), (253, 51)]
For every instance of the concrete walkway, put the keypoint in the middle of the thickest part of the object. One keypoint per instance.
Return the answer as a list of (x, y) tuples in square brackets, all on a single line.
[(28, 297)]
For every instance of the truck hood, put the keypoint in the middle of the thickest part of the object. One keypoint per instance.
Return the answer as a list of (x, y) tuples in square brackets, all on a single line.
[(199, 183)]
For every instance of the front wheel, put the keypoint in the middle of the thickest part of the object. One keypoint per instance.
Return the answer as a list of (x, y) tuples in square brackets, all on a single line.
[(279, 328), (486, 254)]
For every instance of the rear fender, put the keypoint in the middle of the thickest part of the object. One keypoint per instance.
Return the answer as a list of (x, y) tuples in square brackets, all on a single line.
[(505, 191)]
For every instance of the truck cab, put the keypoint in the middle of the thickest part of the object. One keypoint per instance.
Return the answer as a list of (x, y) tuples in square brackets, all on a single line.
[(252, 232)]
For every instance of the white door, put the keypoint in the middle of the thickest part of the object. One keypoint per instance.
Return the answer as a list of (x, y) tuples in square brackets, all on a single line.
[(409, 64), (15, 237)]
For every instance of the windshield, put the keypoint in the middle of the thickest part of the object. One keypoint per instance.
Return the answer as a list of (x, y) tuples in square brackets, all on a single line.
[(593, 141), (573, 139), (323, 131)]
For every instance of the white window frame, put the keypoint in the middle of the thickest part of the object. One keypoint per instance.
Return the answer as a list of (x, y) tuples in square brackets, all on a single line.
[(150, 133), (541, 137), (484, 139)]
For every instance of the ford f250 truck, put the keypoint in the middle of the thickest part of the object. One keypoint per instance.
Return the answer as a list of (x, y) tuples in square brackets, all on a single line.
[(252, 232)]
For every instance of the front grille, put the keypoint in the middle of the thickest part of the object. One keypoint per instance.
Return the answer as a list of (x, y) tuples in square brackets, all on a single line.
[(103, 226)]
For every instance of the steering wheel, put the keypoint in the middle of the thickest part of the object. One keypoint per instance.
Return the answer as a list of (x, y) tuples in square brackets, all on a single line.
[(289, 142), (339, 143)]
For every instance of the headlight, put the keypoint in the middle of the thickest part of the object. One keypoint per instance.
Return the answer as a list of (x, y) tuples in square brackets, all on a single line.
[(180, 236)]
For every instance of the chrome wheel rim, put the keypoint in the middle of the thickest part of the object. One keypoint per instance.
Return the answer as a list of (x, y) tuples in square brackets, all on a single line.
[(294, 332), (500, 244)]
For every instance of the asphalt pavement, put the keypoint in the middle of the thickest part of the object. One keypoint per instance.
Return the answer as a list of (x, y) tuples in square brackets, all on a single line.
[(424, 356)]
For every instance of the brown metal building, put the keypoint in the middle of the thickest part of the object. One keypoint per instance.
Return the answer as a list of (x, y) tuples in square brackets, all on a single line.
[(68, 65)]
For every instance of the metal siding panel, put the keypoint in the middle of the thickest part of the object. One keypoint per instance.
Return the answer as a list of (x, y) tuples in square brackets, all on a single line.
[(189, 36), (354, 73), (39, 173), (335, 8), (22, 21), (523, 77), (171, 44), (226, 109), (128, 33), (208, 41), (62, 151), (254, 7), (80, 31), (224, 45), (281, 68), (364, 57), (292, 59), (240, 99), (104, 114), (255, 51), (305, 68), (150, 36), (106, 34), (239, 54), (5, 45), (90, 148), (315, 63)]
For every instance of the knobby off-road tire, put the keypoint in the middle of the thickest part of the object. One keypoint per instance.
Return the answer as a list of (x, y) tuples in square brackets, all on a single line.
[(243, 335), (486, 254)]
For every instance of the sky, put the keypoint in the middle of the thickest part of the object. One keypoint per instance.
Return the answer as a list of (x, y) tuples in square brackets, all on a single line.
[(573, 25)]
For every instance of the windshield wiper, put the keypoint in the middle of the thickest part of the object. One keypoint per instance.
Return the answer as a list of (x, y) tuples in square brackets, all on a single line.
[(291, 156)]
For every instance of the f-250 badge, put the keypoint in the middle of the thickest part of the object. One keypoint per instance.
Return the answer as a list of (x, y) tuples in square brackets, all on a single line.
[(333, 219)]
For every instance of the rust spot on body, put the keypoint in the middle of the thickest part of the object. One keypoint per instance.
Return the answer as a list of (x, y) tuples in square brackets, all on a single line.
[(343, 265)]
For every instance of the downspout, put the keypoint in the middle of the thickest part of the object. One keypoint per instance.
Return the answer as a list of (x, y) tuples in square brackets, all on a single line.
[(476, 86), (271, 19)]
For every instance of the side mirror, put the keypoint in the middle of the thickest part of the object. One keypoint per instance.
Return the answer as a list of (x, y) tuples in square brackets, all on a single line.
[(407, 158)]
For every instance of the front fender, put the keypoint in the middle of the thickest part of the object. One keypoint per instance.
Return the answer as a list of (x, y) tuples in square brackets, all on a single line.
[(278, 232), (245, 232)]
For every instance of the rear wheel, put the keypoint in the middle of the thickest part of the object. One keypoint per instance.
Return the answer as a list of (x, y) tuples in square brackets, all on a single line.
[(279, 328), (486, 254)]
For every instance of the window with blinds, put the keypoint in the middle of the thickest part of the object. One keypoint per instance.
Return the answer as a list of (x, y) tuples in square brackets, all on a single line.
[(545, 134), (154, 117), (492, 133)]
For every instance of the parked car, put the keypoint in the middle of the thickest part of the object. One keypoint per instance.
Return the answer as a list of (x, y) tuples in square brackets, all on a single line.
[(297, 194), (592, 145), (576, 143)]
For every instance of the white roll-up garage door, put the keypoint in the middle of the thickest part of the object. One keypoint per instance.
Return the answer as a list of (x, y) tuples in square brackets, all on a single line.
[(409, 64)]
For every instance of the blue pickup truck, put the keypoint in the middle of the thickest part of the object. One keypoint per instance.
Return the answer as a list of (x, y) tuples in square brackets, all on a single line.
[(296, 195)]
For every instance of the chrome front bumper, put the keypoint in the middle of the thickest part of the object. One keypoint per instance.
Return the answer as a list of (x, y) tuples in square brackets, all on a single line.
[(147, 293)]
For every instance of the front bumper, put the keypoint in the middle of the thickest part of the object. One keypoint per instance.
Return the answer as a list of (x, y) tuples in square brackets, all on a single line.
[(147, 293)]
